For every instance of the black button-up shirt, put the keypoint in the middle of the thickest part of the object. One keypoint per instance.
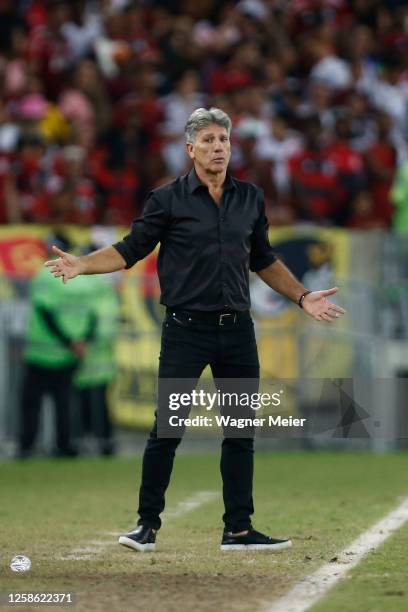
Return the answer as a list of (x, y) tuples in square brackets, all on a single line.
[(206, 250)]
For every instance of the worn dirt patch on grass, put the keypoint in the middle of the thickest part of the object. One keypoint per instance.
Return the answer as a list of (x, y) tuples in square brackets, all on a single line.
[(154, 591)]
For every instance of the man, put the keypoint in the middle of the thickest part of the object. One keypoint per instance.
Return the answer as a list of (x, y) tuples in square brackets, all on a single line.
[(212, 229), (60, 327), (97, 369)]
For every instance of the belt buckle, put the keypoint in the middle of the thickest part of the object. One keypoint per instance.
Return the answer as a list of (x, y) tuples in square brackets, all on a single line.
[(227, 314)]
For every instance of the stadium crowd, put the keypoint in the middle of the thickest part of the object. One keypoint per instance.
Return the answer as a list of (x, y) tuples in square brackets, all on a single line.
[(94, 96)]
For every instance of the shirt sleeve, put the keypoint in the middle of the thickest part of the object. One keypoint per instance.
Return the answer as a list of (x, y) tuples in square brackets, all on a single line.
[(147, 231), (262, 254)]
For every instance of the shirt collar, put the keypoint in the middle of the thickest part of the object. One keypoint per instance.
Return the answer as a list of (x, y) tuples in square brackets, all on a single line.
[(194, 182)]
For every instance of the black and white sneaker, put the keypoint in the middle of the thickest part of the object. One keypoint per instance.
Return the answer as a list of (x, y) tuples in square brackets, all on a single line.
[(253, 540), (143, 538)]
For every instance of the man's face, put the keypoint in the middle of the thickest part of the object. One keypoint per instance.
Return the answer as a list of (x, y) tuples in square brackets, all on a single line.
[(211, 150)]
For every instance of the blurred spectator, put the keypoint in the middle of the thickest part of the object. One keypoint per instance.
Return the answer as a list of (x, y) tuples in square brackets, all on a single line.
[(381, 162), (349, 168), (88, 81), (278, 146), (117, 78), (9, 131), (178, 106), (177, 48), (319, 102), (17, 69), (82, 30), (247, 166), (361, 216), (118, 184), (361, 120), (315, 179), (239, 71), (97, 368), (9, 206), (76, 108), (59, 330), (10, 20), (328, 68), (9, 136), (30, 170), (49, 51), (390, 94), (71, 192), (399, 195)]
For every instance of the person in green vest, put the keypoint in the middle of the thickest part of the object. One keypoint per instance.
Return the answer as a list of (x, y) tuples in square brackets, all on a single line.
[(97, 369), (61, 325), (399, 195)]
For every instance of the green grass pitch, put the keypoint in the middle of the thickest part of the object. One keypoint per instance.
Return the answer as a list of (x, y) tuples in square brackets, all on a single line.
[(51, 509)]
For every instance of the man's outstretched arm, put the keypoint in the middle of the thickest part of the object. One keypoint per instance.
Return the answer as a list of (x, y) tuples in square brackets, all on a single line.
[(315, 303), (101, 261)]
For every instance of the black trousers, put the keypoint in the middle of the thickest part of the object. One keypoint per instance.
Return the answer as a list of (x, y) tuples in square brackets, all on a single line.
[(94, 412), (186, 349), (37, 383)]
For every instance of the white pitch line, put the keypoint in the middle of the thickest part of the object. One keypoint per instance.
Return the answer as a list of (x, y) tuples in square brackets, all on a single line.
[(187, 505), (311, 589), (96, 547), (191, 503)]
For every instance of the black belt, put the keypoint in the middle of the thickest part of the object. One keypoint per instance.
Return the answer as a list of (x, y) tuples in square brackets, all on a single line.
[(219, 317)]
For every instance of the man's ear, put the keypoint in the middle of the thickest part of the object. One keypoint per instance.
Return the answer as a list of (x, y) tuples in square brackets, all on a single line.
[(190, 150)]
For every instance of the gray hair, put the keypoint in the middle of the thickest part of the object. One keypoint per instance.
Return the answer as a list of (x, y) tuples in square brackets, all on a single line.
[(202, 118)]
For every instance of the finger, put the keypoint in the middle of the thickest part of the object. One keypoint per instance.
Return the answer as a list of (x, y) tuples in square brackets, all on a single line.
[(56, 265), (58, 251), (336, 308), (327, 317), (51, 262), (327, 292)]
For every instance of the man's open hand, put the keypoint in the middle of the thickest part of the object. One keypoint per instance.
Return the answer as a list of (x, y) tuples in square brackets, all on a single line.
[(316, 305), (68, 266)]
